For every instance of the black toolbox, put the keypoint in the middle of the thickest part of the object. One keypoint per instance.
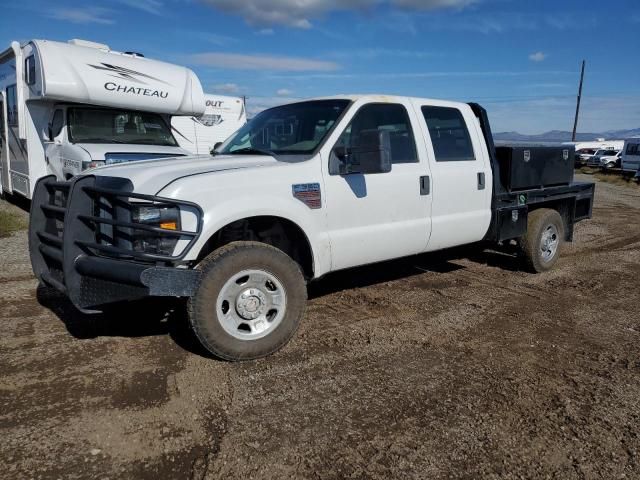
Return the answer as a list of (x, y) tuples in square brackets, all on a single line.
[(525, 168)]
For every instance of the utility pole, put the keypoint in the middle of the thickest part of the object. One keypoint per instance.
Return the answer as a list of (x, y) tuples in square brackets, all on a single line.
[(575, 123)]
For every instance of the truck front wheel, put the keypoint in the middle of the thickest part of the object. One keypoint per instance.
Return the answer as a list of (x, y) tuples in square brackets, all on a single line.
[(541, 244), (249, 302)]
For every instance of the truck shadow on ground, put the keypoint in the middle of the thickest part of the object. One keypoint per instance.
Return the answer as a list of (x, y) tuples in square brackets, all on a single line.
[(168, 316), (436, 262), (143, 318)]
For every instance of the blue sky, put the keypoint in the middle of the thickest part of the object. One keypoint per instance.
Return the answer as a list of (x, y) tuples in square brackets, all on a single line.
[(519, 58)]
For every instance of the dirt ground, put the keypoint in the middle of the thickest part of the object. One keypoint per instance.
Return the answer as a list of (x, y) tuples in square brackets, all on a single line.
[(449, 365)]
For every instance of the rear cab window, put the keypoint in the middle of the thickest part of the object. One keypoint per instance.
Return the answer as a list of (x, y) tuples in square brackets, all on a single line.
[(449, 134)]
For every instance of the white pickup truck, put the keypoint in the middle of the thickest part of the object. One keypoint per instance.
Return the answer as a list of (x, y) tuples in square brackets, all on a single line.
[(300, 191)]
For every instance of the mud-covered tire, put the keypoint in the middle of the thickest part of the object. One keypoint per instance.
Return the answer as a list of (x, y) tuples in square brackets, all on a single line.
[(543, 227), (214, 327)]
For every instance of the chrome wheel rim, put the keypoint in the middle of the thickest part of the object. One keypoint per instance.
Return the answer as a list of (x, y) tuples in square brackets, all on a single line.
[(549, 243), (251, 304)]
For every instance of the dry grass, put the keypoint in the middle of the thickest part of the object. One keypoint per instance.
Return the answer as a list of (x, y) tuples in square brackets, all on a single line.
[(11, 222), (615, 178)]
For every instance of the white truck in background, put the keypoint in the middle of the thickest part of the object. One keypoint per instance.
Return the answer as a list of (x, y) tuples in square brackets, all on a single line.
[(66, 107), (585, 151), (223, 116)]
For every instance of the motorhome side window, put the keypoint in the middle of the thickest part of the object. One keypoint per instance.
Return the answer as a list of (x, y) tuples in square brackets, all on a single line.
[(449, 134), (56, 124), (384, 116), (12, 106), (30, 70)]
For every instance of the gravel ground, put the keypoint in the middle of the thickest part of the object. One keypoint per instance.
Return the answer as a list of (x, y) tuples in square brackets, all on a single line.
[(448, 365)]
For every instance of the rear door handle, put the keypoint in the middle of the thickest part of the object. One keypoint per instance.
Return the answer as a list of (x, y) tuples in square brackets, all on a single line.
[(425, 185), (481, 181)]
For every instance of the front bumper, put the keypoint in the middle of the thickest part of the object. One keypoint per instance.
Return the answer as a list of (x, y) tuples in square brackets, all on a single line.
[(80, 244)]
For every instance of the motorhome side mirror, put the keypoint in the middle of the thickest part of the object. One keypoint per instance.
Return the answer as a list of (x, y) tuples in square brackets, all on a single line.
[(216, 146), (371, 155), (49, 133)]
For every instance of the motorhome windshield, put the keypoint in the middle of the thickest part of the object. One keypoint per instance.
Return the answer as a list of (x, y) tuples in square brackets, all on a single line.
[(96, 125), (295, 129)]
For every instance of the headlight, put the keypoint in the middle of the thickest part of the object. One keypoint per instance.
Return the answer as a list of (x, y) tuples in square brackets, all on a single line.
[(165, 218)]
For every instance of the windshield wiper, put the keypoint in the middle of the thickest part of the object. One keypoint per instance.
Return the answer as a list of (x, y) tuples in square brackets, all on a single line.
[(99, 140), (252, 151)]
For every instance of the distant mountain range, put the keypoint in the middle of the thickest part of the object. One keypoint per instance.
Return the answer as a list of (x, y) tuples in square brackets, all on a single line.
[(562, 136)]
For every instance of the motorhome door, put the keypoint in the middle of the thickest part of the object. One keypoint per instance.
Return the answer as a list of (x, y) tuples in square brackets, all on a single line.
[(4, 164)]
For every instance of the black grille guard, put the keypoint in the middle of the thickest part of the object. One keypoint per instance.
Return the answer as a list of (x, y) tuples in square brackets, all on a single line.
[(69, 226)]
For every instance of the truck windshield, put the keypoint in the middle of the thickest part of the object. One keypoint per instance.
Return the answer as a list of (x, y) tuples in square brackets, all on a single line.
[(97, 125), (295, 129)]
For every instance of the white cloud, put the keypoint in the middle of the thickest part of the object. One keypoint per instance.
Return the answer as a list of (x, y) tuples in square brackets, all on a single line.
[(537, 57), (431, 74), (299, 13), (265, 31), (83, 15), (261, 62), (432, 4), (257, 104), (372, 53), (149, 6), (284, 92), (227, 88)]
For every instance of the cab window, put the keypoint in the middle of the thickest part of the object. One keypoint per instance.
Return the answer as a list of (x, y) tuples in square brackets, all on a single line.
[(449, 134), (383, 117)]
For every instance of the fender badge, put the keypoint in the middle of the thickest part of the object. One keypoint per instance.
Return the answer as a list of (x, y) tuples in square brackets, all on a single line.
[(309, 194)]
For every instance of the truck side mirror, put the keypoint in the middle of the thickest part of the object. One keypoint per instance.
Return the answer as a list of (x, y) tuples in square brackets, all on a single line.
[(372, 154), (216, 146)]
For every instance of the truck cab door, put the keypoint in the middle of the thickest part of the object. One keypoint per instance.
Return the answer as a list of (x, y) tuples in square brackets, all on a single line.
[(4, 163), (461, 174), (377, 216)]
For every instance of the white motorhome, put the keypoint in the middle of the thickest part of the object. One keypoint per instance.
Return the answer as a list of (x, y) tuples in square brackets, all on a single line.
[(66, 107), (222, 117), (630, 159)]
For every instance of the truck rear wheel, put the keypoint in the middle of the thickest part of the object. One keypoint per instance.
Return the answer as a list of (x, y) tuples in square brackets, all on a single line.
[(249, 302), (542, 242)]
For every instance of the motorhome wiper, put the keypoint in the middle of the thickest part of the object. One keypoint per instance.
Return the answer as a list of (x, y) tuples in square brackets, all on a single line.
[(252, 151), (100, 140)]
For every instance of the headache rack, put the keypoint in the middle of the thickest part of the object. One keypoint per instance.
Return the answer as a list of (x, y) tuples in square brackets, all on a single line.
[(91, 218)]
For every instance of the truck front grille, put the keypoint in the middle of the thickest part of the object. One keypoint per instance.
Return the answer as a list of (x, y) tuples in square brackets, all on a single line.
[(111, 220)]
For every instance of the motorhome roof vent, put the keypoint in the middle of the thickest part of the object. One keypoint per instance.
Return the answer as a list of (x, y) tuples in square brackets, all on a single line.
[(135, 54), (87, 43)]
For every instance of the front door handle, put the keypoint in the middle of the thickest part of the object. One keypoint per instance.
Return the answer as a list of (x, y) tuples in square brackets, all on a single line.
[(425, 185), (481, 181)]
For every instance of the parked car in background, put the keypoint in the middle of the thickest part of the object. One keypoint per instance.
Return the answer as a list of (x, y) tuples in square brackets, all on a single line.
[(584, 155), (586, 150), (630, 161), (606, 159)]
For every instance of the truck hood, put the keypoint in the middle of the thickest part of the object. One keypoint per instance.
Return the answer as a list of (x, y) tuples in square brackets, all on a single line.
[(97, 151), (151, 176)]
